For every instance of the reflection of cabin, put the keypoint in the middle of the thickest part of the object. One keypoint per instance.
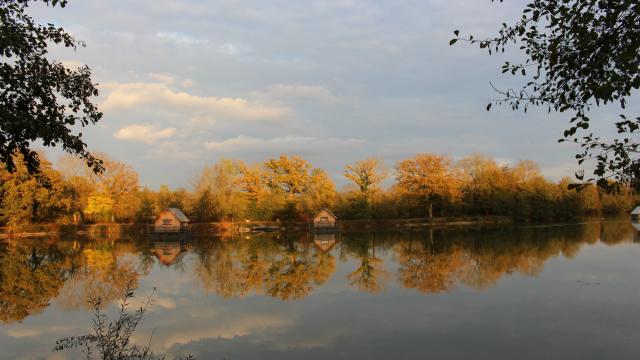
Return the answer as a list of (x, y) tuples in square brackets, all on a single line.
[(325, 220), (324, 241), (171, 220), (635, 214), (169, 253)]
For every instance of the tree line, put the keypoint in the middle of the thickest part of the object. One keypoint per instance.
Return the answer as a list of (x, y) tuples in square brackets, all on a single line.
[(290, 188)]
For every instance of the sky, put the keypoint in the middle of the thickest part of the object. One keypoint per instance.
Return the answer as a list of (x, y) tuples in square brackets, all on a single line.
[(184, 83)]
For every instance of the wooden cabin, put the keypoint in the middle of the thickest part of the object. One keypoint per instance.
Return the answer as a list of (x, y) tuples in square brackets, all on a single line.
[(635, 214), (325, 219), (171, 220)]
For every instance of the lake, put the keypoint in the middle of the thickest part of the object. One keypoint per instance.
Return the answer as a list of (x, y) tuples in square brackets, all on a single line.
[(511, 292)]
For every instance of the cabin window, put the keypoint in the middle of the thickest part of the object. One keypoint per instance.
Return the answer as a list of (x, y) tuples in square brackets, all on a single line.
[(166, 221), (324, 219)]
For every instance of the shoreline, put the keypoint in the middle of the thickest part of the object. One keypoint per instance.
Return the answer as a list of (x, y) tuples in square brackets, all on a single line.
[(111, 230), (220, 228)]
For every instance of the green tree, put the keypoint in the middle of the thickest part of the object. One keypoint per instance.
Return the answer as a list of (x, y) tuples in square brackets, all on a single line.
[(578, 54), (40, 99)]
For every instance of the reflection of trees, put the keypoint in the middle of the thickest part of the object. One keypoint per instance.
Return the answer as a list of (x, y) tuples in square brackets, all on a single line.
[(288, 277), (480, 259), (430, 269), (285, 269), (218, 270), (612, 235), (31, 274), (324, 265), (295, 269), (99, 272), (370, 275), (429, 262)]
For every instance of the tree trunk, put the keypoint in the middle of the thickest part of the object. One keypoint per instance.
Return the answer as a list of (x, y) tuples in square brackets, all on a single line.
[(430, 209)]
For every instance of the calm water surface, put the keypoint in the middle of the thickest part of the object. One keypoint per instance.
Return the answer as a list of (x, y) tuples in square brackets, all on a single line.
[(556, 292)]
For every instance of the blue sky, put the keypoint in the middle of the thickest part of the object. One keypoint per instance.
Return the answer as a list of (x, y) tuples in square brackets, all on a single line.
[(185, 83)]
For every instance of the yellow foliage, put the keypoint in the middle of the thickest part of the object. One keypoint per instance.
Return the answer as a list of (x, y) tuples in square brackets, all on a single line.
[(366, 174)]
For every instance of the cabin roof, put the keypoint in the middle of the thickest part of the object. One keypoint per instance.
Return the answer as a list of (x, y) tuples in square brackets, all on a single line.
[(330, 213), (636, 211), (178, 214)]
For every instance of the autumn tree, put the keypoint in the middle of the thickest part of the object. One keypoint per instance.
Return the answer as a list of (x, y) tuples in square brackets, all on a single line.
[(148, 207), (252, 183), (120, 181), (366, 174), (99, 207), (482, 178), (289, 175), (253, 187), (321, 190), (218, 189), (27, 197), (79, 182), (431, 176)]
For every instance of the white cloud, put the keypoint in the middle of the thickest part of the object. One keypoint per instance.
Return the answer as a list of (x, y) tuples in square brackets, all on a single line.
[(163, 78), (143, 133), (134, 95), (289, 144), (173, 150), (298, 92), (179, 38), (188, 83), (235, 48), (218, 326)]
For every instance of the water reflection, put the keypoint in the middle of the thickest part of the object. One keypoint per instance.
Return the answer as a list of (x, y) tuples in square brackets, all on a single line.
[(35, 273)]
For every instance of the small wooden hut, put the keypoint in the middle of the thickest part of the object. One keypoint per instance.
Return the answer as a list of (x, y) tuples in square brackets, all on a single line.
[(171, 220), (635, 214), (325, 219)]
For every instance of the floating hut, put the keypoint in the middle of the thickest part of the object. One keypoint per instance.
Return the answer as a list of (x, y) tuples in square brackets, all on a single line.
[(171, 220), (635, 214), (325, 219)]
